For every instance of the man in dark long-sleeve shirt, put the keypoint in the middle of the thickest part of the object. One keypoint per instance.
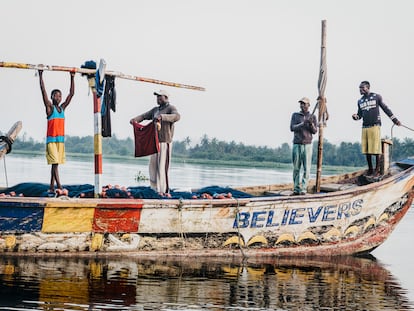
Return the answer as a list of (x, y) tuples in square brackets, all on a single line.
[(303, 124), (369, 111)]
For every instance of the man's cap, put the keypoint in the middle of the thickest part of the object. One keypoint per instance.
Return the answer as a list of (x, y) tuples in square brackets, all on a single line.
[(304, 100), (162, 92)]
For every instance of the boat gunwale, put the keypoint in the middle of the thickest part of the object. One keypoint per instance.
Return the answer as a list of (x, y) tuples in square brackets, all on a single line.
[(183, 203)]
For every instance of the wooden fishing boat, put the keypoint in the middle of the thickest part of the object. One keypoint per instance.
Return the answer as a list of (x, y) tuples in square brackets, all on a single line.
[(341, 215), (350, 215)]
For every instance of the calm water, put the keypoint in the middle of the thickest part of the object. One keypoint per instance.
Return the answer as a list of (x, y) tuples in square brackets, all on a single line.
[(27, 169), (383, 282)]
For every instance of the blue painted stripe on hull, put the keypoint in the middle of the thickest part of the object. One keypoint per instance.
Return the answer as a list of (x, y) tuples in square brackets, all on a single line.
[(20, 218)]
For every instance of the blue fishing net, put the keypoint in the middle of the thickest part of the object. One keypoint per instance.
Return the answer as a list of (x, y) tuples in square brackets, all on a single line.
[(31, 189), (87, 191)]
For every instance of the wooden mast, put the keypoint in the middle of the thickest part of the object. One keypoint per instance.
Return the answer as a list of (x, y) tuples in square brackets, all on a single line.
[(323, 113)]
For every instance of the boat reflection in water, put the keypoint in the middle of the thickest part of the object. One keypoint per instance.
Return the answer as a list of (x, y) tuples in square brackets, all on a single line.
[(58, 283)]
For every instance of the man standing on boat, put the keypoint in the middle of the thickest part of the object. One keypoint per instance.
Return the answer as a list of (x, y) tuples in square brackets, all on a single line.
[(55, 136), (303, 124), (164, 115), (368, 111)]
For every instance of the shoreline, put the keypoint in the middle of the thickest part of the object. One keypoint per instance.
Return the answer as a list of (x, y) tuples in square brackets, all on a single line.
[(329, 169)]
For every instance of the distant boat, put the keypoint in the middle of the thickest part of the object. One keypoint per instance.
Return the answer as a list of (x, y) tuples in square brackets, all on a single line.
[(350, 215)]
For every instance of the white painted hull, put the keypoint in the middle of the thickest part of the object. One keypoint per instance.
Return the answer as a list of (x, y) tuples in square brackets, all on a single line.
[(345, 222)]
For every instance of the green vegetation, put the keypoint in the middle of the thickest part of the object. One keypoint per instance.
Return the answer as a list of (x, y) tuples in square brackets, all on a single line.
[(219, 152), (140, 177)]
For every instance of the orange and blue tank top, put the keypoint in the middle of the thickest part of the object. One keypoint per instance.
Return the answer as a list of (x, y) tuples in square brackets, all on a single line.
[(56, 127)]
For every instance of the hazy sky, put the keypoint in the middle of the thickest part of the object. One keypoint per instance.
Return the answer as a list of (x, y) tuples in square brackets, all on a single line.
[(255, 59)]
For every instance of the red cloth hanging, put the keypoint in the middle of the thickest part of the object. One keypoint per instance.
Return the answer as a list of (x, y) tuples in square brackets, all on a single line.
[(146, 139)]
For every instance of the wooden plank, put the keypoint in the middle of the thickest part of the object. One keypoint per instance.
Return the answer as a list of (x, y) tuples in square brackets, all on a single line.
[(20, 217), (68, 219), (336, 187), (107, 220), (117, 216), (120, 203)]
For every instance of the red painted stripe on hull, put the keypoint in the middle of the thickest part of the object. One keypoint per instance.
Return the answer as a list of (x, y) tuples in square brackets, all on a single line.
[(110, 220)]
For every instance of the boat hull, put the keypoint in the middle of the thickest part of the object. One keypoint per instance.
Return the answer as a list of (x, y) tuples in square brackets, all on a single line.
[(345, 222)]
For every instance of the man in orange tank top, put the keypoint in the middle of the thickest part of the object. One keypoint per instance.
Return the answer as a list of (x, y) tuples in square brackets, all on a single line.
[(55, 137)]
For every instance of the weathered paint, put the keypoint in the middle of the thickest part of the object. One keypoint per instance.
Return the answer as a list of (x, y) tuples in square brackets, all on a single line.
[(68, 219), (344, 222), (21, 216), (113, 219), (114, 216), (297, 216)]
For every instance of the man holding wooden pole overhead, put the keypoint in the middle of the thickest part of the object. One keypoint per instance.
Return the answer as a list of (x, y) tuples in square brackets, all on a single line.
[(55, 140)]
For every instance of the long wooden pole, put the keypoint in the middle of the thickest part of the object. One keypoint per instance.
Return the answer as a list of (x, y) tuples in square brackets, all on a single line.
[(321, 106), (92, 71)]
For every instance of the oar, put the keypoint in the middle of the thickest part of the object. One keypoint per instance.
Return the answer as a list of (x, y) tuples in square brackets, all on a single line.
[(92, 71)]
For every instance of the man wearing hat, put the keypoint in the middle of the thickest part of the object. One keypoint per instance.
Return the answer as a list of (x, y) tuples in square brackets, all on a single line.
[(164, 115), (303, 124)]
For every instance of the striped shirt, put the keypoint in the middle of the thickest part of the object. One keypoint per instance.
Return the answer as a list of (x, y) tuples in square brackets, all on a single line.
[(56, 127)]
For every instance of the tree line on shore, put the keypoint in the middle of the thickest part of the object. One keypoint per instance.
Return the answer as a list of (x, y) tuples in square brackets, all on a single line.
[(342, 154)]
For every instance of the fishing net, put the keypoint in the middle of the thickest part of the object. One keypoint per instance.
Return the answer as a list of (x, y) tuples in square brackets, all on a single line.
[(31, 189)]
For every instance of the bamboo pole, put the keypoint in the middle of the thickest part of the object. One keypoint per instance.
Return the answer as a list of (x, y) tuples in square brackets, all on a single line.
[(92, 71), (322, 118)]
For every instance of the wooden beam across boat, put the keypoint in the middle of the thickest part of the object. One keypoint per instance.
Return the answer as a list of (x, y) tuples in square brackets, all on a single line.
[(92, 71)]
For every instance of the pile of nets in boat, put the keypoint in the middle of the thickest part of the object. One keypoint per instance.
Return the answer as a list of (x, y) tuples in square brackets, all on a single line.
[(139, 192)]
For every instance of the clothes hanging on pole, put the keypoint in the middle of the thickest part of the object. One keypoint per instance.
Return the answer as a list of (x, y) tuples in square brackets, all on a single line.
[(108, 104)]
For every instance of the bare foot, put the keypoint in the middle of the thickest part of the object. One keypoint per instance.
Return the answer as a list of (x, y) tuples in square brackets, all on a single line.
[(369, 173)]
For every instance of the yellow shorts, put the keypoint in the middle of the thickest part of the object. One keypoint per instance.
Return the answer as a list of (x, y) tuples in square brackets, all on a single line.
[(371, 140), (55, 153)]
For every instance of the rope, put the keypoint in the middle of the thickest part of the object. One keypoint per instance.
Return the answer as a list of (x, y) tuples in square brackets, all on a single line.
[(206, 235), (238, 229), (392, 135), (392, 128), (406, 127), (9, 143), (180, 219), (5, 172)]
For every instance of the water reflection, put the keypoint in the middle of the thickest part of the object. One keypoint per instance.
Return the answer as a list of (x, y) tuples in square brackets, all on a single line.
[(191, 284)]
